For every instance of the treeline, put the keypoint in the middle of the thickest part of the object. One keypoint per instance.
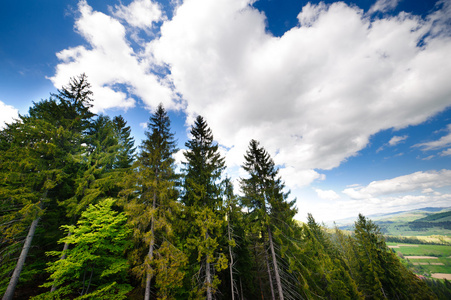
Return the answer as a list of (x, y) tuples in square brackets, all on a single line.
[(412, 240), (423, 226), (83, 216), (434, 217)]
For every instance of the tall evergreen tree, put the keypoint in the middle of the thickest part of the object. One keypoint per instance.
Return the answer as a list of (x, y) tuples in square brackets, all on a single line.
[(381, 274), (267, 202), (96, 177), (327, 275), (38, 152), (203, 205), (152, 202), (126, 151)]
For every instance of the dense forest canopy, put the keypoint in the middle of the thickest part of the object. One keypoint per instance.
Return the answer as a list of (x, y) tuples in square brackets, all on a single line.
[(83, 215)]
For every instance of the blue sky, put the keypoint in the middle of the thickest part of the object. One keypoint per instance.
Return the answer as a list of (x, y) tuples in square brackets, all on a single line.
[(352, 99)]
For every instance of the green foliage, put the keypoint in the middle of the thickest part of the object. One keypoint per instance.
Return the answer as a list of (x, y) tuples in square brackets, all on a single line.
[(442, 216), (380, 273), (150, 201), (126, 152), (182, 237), (97, 176), (94, 261), (270, 213), (203, 209)]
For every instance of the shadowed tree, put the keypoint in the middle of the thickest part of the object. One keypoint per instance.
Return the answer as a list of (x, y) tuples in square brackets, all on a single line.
[(37, 161)]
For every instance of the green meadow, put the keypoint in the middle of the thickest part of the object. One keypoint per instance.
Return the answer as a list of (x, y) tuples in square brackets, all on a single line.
[(425, 259)]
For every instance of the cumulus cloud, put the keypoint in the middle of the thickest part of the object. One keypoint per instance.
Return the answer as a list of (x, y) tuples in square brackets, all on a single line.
[(8, 114), (383, 6), (312, 97), (402, 184), (327, 194), (294, 178), (443, 142), (140, 13), (109, 62), (344, 208), (399, 203)]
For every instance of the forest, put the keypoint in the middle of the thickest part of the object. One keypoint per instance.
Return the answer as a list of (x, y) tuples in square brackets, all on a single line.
[(85, 214)]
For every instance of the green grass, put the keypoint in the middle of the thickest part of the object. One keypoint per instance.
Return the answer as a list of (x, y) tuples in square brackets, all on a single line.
[(426, 250), (443, 254)]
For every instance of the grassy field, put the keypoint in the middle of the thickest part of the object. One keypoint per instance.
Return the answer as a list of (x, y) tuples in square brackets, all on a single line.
[(433, 258)]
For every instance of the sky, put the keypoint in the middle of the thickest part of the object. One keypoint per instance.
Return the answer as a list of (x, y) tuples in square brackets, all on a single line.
[(351, 99)]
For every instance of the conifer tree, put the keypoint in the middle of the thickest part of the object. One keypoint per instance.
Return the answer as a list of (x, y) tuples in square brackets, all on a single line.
[(380, 272), (37, 150), (328, 276), (203, 205), (152, 202), (96, 177), (268, 206), (126, 152)]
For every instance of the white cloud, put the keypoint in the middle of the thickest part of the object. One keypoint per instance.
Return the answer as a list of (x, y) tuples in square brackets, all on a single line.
[(428, 157), (8, 114), (427, 191), (294, 178), (327, 194), (446, 152), (443, 142), (141, 14), (383, 6), (333, 210), (109, 62), (396, 140), (310, 13), (402, 184), (314, 96)]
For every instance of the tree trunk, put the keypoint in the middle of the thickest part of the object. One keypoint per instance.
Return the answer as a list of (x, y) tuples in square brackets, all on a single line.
[(20, 263), (268, 268), (276, 270), (207, 273), (241, 288), (273, 297), (258, 273), (232, 286), (66, 246), (151, 246)]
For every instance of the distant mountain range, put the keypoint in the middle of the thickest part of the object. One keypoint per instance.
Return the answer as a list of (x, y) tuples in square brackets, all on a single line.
[(417, 222)]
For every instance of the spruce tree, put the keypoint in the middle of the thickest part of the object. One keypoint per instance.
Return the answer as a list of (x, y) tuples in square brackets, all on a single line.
[(37, 164), (126, 151), (328, 275), (380, 272), (203, 206), (96, 177), (151, 203), (268, 206)]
